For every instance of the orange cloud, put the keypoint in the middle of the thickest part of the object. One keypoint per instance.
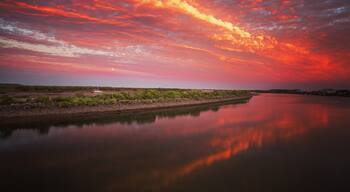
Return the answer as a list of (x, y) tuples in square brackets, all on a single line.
[(193, 40)]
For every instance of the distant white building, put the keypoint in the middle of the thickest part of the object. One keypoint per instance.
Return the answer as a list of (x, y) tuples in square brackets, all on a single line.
[(97, 91)]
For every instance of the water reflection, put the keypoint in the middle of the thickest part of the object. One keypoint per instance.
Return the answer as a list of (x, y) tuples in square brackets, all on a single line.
[(253, 126), (43, 124), (169, 150)]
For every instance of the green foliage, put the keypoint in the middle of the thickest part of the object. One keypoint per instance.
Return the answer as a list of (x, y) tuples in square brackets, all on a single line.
[(125, 96), (43, 99), (6, 100)]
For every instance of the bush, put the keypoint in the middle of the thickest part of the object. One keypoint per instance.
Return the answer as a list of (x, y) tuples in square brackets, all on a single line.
[(131, 96), (6, 100), (43, 99)]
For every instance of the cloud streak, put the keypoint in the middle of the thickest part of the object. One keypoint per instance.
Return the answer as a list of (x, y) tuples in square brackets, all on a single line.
[(232, 43)]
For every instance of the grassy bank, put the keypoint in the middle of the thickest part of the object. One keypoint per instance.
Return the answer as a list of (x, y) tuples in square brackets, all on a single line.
[(32, 96)]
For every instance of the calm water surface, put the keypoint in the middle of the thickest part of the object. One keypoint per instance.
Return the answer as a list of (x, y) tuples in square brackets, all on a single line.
[(271, 143)]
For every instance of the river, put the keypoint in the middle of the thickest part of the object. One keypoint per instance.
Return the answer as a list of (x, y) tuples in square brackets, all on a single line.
[(273, 142)]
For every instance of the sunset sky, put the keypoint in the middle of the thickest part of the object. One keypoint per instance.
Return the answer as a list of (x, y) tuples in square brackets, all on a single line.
[(240, 44)]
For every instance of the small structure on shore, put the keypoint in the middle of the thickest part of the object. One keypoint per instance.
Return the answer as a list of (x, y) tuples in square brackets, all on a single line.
[(97, 91)]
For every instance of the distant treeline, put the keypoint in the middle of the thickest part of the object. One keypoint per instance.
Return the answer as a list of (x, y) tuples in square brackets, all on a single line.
[(4, 88), (322, 92)]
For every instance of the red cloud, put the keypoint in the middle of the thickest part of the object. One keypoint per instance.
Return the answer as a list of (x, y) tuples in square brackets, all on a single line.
[(252, 42)]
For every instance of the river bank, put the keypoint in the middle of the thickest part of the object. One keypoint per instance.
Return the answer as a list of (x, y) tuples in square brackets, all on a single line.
[(44, 123), (11, 111), (24, 101)]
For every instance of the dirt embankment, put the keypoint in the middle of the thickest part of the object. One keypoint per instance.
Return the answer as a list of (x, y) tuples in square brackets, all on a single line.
[(16, 111)]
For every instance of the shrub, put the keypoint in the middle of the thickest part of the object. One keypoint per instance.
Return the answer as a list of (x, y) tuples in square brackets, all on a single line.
[(43, 99), (131, 96), (6, 100)]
